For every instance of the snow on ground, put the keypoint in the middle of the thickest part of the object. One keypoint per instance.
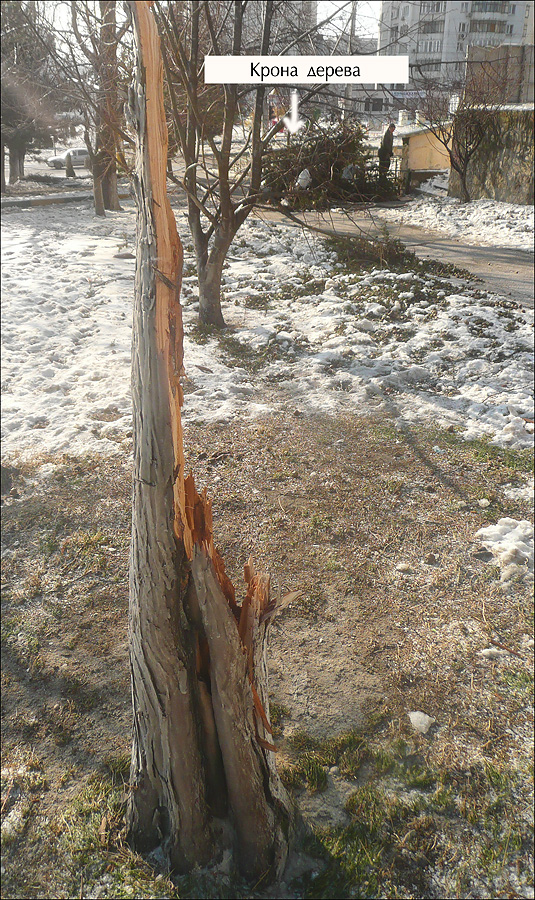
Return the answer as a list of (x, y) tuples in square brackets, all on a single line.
[(511, 543), (479, 222), (437, 185), (66, 323), (419, 348)]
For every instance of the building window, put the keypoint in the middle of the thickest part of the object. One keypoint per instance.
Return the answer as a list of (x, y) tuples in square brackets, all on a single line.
[(462, 27), (429, 46), (483, 26), (374, 105), (465, 7), (404, 30), (394, 33), (460, 46), (432, 27), (489, 7), (486, 42), (432, 8)]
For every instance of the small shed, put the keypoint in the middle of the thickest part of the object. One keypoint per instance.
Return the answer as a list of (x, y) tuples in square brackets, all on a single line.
[(422, 154)]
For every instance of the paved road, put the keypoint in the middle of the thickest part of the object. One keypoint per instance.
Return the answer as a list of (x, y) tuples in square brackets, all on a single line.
[(506, 271)]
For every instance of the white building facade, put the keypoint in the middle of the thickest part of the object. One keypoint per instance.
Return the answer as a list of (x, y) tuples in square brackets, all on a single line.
[(436, 34)]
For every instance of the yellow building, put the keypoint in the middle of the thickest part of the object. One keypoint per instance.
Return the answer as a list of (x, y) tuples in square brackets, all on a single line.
[(422, 155)]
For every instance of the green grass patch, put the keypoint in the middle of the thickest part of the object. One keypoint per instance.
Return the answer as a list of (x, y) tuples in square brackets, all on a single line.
[(312, 757), (481, 450), (519, 682), (277, 713), (406, 819)]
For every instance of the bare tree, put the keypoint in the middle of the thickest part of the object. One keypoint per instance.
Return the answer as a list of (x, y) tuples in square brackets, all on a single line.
[(93, 74), (97, 37), (460, 112), (203, 774), (222, 178)]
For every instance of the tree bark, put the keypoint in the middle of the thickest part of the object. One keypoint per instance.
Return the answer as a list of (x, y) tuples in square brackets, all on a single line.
[(14, 163), (98, 176), (3, 170), (203, 775), (109, 113), (464, 188), (210, 275), (110, 193)]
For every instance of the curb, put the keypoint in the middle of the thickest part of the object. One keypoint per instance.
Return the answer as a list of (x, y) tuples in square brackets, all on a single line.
[(49, 199)]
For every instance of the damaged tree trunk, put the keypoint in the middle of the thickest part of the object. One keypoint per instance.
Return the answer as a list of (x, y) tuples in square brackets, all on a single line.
[(203, 773)]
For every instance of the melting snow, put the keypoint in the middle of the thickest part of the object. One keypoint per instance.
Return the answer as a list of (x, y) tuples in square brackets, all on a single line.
[(479, 222), (411, 345), (511, 542)]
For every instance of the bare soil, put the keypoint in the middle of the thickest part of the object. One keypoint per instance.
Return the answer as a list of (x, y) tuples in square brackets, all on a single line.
[(375, 524)]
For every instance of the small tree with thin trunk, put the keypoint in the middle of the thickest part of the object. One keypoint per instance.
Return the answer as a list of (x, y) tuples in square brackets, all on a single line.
[(98, 42), (88, 66), (203, 773), (222, 178), (460, 114)]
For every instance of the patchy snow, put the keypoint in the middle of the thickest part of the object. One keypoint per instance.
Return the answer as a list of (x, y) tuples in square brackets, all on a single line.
[(511, 543), (525, 492), (416, 347), (437, 185), (478, 222)]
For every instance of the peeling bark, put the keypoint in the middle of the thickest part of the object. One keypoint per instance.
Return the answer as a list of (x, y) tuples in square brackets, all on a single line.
[(202, 747)]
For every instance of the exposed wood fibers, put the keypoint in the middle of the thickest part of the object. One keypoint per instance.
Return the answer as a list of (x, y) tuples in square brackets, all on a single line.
[(193, 522)]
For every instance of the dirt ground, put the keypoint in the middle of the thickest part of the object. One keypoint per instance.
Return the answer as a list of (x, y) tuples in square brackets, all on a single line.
[(375, 523)]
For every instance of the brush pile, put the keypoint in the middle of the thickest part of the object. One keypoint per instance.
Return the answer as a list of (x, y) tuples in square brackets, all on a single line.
[(341, 168)]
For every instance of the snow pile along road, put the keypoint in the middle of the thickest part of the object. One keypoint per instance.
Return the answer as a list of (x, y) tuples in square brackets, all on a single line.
[(301, 331), (479, 222)]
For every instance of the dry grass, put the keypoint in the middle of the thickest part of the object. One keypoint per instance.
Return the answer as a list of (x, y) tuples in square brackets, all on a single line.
[(376, 526)]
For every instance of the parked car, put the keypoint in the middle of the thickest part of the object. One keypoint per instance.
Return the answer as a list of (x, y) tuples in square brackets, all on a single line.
[(79, 156)]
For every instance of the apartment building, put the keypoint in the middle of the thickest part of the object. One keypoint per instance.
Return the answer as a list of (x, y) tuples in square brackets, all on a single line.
[(437, 34)]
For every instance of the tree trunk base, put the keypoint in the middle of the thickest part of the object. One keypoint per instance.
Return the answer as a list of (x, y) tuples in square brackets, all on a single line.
[(203, 771), (210, 314)]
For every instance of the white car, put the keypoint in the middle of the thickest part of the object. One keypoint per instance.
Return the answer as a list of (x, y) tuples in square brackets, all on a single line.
[(79, 157)]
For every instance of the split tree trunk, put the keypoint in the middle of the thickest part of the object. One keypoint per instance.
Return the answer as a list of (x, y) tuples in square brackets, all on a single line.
[(203, 772)]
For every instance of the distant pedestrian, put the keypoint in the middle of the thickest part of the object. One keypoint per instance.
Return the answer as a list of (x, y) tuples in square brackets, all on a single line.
[(386, 150)]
